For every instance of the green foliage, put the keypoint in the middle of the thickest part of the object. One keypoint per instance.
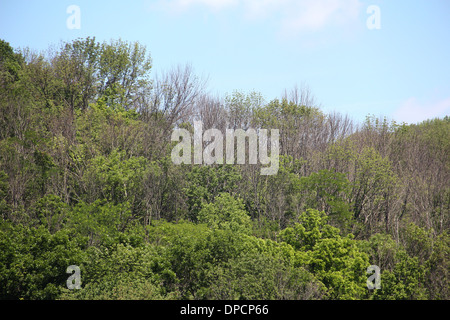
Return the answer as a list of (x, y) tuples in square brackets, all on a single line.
[(404, 282), (33, 261), (10, 64), (437, 268), (4, 207), (126, 66), (381, 249), (225, 213), (372, 178), (279, 194), (338, 264), (240, 108), (336, 261), (258, 276), (52, 212), (207, 182), (117, 287), (283, 114), (192, 250), (312, 228), (87, 179), (115, 177), (121, 271), (414, 269), (331, 192), (100, 221)]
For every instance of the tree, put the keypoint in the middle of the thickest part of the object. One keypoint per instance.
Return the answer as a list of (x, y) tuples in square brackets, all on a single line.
[(10, 64), (404, 282), (100, 222), (87, 179), (437, 269), (262, 276), (174, 96), (77, 65), (240, 108), (311, 229), (297, 125), (4, 207), (206, 183), (33, 261), (52, 212), (226, 213), (125, 67), (330, 192), (334, 260), (121, 271)]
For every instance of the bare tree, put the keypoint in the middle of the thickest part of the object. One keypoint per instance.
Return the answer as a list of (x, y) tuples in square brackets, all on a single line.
[(301, 96), (211, 111), (175, 93)]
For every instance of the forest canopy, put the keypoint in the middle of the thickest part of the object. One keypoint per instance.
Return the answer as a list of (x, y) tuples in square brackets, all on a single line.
[(86, 179)]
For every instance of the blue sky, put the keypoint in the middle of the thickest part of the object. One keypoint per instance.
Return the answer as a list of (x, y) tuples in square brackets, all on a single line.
[(401, 71)]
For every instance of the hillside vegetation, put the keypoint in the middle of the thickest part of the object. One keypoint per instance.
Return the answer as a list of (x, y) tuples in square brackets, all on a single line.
[(86, 179)]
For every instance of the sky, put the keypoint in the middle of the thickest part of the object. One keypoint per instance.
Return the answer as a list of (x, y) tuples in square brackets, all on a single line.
[(387, 58)]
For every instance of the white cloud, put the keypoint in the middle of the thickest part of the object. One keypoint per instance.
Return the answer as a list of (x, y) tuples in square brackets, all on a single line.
[(262, 8), (212, 4), (313, 15), (294, 15), (412, 111), (180, 6)]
